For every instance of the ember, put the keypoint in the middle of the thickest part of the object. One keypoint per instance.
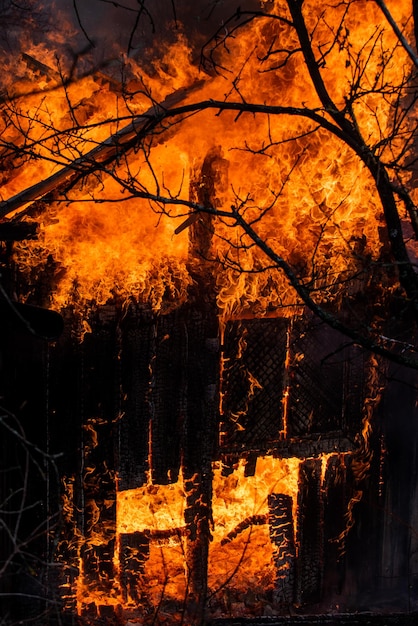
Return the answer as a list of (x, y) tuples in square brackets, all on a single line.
[(210, 296)]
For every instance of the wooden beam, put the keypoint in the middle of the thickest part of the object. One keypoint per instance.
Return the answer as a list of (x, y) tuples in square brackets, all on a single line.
[(103, 154), (18, 231)]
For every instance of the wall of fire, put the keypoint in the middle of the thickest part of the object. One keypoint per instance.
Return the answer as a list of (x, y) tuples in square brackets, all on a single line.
[(146, 405)]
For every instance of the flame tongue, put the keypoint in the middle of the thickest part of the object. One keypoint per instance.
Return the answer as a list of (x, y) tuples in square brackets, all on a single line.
[(239, 509), (317, 201)]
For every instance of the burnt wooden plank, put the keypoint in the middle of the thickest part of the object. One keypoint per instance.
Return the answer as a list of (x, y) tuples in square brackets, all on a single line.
[(137, 338), (202, 386), (338, 490), (65, 439), (134, 553), (309, 534), (99, 405), (167, 397), (202, 382), (284, 551), (18, 231), (365, 618), (199, 446)]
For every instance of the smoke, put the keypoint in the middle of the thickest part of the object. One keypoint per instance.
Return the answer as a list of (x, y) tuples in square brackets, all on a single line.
[(99, 31), (135, 25), (75, 38)]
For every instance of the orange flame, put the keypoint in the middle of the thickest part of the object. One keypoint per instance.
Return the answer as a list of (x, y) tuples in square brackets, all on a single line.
[(316, 198)]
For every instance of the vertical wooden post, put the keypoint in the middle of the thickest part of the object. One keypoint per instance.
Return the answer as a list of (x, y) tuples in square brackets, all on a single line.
[(97, 496), (338, 489), (282, 538), (134, 552), (198, 452), (309, 533), (202, 384), (136, 344)]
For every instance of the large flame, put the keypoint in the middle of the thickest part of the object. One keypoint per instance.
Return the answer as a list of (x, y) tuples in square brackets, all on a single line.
[(317, 201), (241, 552)]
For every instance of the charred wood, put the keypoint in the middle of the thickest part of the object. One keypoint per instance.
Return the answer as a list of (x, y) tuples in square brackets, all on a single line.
[(134, 553), (98, 566), (206, 188), (198, 453), (252, 520), (250, 464), (284, 551), (97, 497), (167, 397), (367, 618), (136, 345), (338, 490), (309, 573), (41, 68), (198, 515), (18, 231), (300, 447)]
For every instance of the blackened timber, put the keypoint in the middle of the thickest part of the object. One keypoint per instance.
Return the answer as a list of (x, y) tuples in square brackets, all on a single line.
[(134, 553), (167, 396), (309, 534), (202, 376), (65, 439), (199, 447), (41, 68), (18, 231), (252, 520), (284, 551), (366, 618), (206, 188), (153, 380), (99, 352), (338, 490), (137, 348), (300, 447)]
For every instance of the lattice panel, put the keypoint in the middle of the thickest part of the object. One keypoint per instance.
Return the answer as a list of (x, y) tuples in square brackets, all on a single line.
[(317, 374), (254, 353)]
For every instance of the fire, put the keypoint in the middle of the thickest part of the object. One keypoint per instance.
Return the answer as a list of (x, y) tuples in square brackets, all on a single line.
[(117, 234), (249, 537), (241, 553), (95, 234), (241, 546), (152, 507)]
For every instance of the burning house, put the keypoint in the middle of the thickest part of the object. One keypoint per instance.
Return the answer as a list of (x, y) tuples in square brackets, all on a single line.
[(209, 303)]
